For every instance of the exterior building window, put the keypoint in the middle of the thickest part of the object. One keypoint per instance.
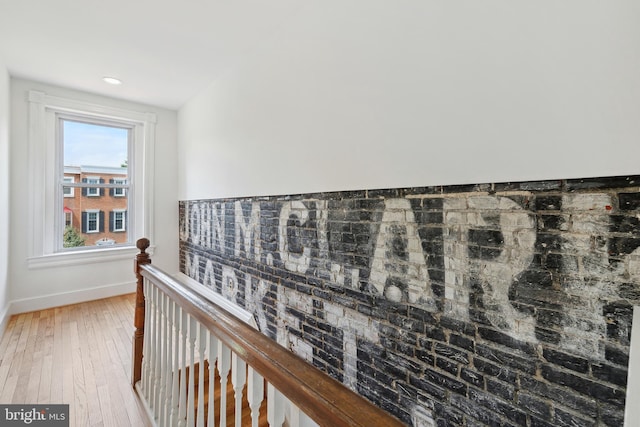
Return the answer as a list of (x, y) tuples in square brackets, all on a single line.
[(68, 191), (92, 222), (118, 191), (68, 219), (92, 191), (118, 221)]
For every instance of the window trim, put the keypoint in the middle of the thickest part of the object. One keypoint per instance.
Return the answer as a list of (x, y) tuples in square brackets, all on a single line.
[(44, 111)]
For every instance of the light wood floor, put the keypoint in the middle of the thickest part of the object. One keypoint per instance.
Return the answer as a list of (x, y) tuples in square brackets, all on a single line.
[(78, 355)]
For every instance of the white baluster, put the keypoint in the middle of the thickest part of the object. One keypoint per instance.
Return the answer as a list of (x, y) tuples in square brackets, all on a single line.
[(152, 350), (162, 356), (299, 418), (255, 394), (202, 344), (167, 369), (148, 328), (238, 379), (275, 407), (191, 390), (224, 364), (213, 356), (144, 383), (182, 401), (175, 386)]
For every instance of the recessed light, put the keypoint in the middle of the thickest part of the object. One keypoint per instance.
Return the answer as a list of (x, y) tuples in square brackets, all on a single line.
[(112, 80)]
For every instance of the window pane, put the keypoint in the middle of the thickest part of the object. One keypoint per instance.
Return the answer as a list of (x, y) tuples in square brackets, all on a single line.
[(88, 144), (92, 222), (95, 159)]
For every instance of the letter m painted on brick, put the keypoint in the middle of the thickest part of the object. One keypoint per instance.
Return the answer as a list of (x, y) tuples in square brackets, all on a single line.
[(247, 235)]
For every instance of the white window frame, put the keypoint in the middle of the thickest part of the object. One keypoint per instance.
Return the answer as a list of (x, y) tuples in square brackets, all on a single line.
[(124, 220), (93, 191), (70, 180), (119, 191), (46, 169), (97, 214)]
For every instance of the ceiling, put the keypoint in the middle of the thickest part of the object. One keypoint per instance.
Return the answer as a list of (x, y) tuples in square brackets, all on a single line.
[(165, 52)]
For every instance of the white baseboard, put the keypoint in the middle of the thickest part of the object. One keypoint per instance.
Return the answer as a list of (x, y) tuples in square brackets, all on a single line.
[(65, 298)]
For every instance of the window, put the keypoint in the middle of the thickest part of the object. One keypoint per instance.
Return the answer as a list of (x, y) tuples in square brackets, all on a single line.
[(68, 191), (102, 151), (92, 191), (92, 221), (118, 191), (68, 218), (118, 221)]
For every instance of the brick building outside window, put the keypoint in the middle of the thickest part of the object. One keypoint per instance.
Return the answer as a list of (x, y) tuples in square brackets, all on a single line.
[(97, 214)]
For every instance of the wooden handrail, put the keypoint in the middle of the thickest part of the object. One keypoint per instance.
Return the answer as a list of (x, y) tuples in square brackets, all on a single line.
[(138, 335), (324, 399)]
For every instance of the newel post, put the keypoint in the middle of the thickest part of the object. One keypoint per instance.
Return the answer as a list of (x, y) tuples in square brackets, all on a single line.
[(138, 336)]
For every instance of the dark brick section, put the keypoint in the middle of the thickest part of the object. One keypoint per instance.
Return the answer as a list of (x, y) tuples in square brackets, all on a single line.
[(578, 364), (505, 304)]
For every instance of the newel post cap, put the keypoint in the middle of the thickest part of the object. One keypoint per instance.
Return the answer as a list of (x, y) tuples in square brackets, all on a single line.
[(143, 244)]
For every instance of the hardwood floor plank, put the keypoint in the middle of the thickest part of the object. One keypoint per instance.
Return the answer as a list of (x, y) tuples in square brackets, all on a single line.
[(47, 324), (57, 359), (9, 341)]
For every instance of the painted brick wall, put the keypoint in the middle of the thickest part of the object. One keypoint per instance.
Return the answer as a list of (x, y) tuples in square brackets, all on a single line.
[(494, 304)]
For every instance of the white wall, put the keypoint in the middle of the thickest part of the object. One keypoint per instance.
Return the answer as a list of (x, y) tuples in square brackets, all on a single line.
[(378, 94), (40, 287), (4, 196)]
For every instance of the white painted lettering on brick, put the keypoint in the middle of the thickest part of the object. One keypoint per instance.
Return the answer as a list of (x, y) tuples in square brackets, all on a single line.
[(422, 417), (229, 283), (205, 225), (302, 348), (283, 319), (254, 300), (194, 220), (192, 266), (209, 278), (584, 325), (399, 268), (495, 275), (322, 217), (217, 221), (247, 232), (456, 291), (519, 233), (293, 261), (354, 325)]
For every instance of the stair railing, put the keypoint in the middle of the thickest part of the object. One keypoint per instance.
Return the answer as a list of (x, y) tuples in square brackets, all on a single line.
[(183, 341)]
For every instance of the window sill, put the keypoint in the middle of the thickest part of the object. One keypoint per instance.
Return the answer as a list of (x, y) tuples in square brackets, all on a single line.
[(89, 256)]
